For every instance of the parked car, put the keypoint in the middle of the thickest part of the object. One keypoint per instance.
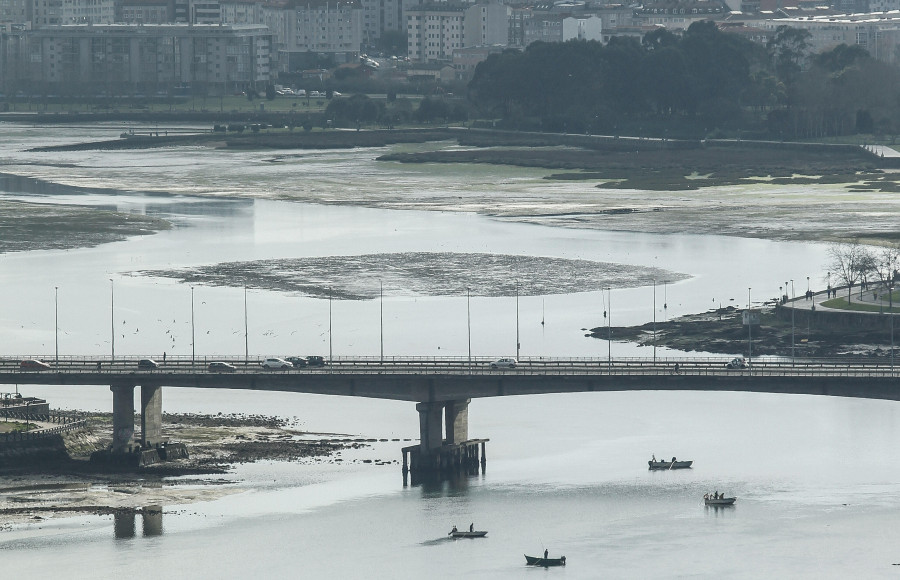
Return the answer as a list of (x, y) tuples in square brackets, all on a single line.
[(504, 363), (276, 364), (298, 361), (316, 361), (220, 367), (148, 364), (33, 365), (737, 362)]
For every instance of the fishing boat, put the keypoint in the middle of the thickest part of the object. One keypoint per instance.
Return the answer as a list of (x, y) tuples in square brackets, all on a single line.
[(545, 562), (719, 501), (674, 464), (471, 534)]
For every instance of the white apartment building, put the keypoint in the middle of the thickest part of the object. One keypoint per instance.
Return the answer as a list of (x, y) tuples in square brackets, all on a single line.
[(587, 28), (121, 58), (878, 33), (436, 31), (88, 12)]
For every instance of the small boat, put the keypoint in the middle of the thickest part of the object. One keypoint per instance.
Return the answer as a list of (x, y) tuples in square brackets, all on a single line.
[(472, 534), (545, 562), (674, 464), (721, 501)]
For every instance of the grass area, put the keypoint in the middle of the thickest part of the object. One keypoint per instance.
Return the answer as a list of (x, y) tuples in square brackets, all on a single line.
[(229, 104), (15, 426), (842, 304)]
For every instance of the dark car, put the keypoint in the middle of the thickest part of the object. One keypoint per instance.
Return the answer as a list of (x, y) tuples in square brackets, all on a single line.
[(148, 364), (33, 365), (316, 361), (221, 367), (298, 361)]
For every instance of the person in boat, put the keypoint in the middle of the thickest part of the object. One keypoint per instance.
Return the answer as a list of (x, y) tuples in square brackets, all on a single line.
[(545, 553), (453, 531), (705, 496), (653, 457), (716, 495), (472, 527)]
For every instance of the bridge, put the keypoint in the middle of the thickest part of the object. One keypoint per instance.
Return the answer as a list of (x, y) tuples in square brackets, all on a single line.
[(444, 387)]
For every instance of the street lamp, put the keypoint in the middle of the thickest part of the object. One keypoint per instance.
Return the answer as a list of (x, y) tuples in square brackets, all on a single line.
[(793, 307), (192, 326), (518, 344), (749, 332), (381, 290), (469, 323), (246, 332), (56, 320), (112, 321), (654, 321), (609, 330), (330, 348)]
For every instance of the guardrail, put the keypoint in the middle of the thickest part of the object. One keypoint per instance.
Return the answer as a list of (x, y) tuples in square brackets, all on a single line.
[(64, 424), (700, 366)]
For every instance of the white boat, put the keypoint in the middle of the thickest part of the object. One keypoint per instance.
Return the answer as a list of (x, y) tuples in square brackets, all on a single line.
[(674, 464), (719, 501)]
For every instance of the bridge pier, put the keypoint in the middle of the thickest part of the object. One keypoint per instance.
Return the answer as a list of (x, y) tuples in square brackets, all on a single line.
[(123, 418), (454, 450), (151, 416), (151, 448)]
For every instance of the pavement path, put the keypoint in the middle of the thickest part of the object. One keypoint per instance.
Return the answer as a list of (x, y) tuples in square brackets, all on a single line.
[(873, 295)]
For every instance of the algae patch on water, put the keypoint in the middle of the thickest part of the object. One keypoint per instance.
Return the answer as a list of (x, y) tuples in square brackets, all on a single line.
[(422, 273), (35, 226)]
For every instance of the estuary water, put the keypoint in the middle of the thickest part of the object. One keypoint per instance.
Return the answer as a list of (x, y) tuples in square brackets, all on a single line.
[(817, 490)]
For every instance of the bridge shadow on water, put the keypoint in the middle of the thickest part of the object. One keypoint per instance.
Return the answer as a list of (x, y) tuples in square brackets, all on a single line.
[(443, 483)]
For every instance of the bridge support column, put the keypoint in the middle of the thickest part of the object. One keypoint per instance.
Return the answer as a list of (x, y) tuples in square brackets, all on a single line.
[(456, 417), (123, 417), (429, 426), (151, 416)]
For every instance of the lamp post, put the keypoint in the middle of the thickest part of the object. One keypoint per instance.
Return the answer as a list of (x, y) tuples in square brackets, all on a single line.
[(192, 326), (654, 321), (246, 332), (330, 349), (469, 323), (749, 333), (518, 344), (807, 284), (609, 330), (381, 322), (112, 321), (793, 296), (56, 321)]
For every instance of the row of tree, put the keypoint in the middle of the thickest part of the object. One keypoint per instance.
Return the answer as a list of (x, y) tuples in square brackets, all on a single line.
[(855, 264), (703, 79)]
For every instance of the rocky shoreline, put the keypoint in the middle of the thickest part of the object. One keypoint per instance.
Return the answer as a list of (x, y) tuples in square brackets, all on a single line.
[(72, 485), (721, 331)]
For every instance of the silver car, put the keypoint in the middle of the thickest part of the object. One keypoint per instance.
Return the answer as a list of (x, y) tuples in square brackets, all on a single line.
[(276, 364), (504, 363)]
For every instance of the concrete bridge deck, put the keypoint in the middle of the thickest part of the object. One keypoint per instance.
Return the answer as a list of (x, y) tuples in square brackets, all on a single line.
[(443, 388), (427, 380)]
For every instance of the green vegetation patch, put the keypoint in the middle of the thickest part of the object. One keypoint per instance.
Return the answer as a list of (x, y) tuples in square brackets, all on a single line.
[(842, 304)]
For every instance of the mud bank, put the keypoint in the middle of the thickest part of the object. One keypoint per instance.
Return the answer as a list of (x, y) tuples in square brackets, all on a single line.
[(722, 331), (67, 485)]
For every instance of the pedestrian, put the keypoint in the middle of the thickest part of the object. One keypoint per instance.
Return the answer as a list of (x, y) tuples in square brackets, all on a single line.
[(546, 552), (164, 357)]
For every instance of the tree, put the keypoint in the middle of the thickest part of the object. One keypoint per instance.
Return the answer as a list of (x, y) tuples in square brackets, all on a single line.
[(849, 262)]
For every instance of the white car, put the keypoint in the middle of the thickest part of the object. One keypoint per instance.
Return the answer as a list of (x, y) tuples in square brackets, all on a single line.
[(276, 364), (504, 363)]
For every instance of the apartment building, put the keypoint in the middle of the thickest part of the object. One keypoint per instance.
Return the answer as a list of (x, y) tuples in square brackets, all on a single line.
[(126, 59), (436, 31)]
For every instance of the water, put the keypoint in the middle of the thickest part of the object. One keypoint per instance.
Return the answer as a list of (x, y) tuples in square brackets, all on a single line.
[(817, 491)]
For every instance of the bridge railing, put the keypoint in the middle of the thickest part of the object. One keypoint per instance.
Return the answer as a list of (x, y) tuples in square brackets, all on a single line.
[(769, 366)]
